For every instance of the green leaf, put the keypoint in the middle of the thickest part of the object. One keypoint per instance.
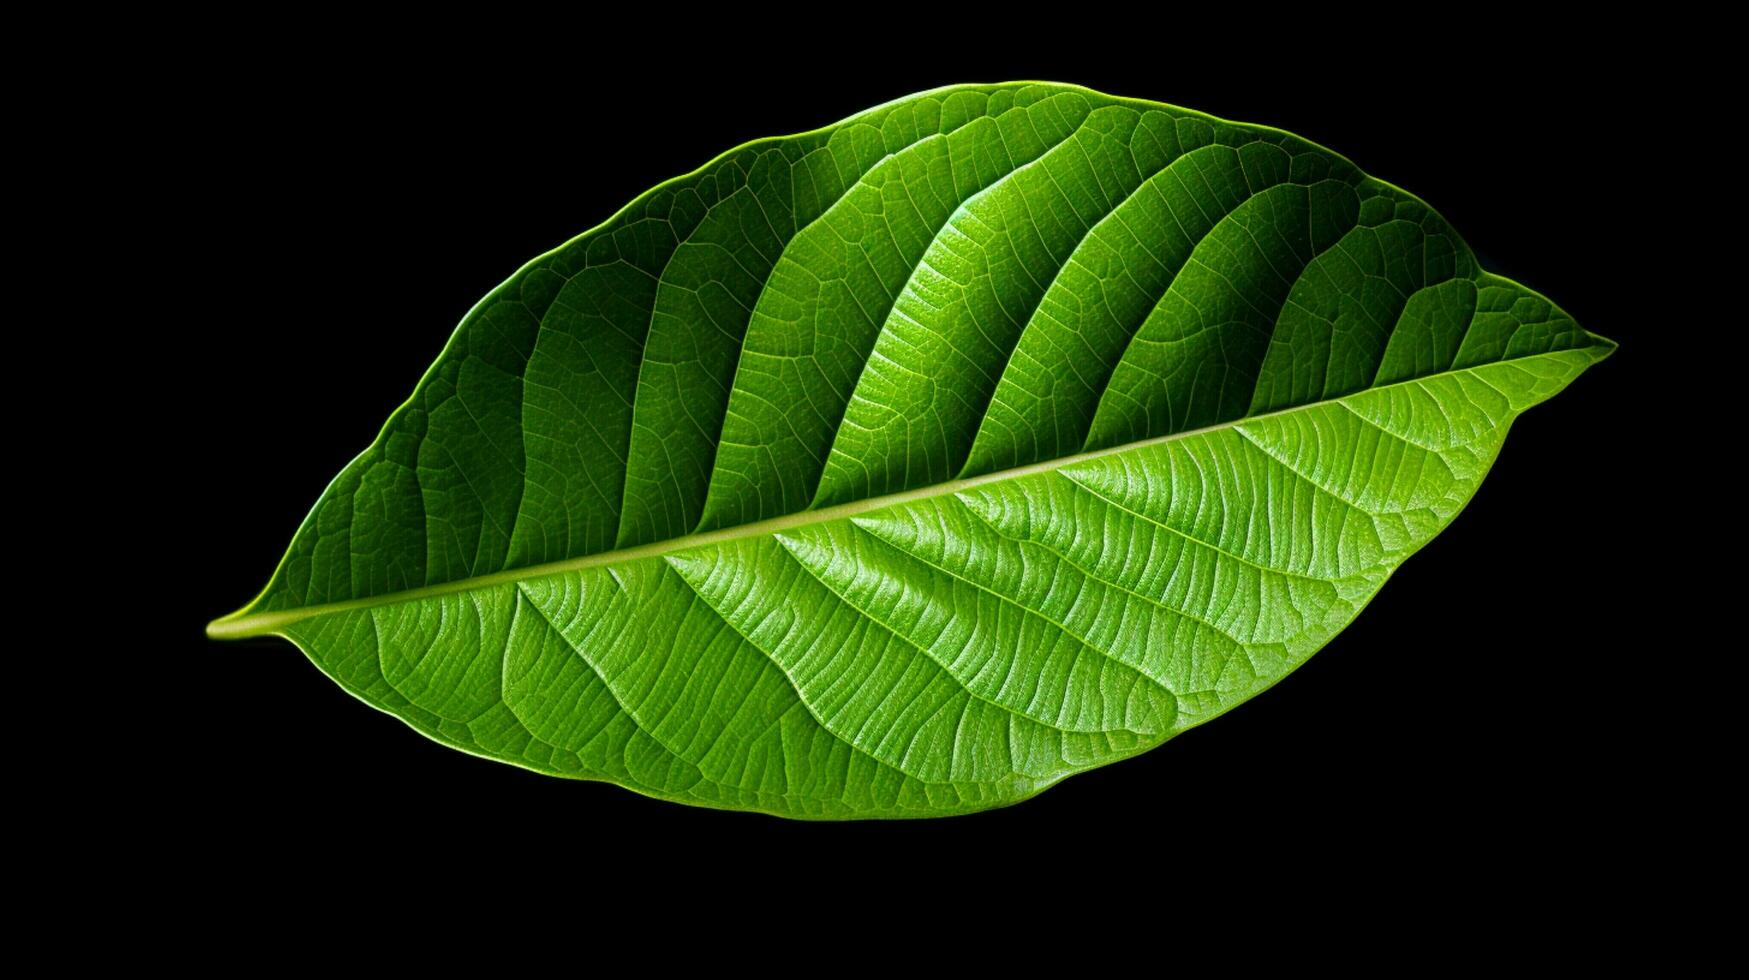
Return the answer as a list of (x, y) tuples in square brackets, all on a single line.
[(906, 466)]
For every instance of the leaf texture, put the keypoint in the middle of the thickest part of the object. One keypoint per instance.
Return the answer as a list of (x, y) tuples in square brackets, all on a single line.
[(905, 467)]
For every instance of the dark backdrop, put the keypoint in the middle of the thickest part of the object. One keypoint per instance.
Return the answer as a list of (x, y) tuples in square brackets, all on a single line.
[(1477, 720)]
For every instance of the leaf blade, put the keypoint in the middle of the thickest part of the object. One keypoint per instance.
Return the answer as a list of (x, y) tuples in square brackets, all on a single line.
[(1084, 699)]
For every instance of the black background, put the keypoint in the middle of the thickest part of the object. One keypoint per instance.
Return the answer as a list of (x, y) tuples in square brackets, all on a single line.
[(1480, 718)]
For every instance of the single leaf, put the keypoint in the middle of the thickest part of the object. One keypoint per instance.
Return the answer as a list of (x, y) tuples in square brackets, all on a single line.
[(906, 466)]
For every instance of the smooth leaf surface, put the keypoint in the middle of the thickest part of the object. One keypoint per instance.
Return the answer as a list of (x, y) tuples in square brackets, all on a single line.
[(905, 467)]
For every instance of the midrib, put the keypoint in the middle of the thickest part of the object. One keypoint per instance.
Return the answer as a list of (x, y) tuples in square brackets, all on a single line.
[(237, 625)]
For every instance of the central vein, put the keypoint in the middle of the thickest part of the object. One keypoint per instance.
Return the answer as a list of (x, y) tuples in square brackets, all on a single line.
[(260, 623)]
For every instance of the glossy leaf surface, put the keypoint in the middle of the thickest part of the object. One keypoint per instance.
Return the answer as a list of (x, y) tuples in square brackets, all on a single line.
[(907, 466)]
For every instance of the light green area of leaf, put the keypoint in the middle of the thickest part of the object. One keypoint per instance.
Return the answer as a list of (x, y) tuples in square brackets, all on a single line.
[(905, 467)]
